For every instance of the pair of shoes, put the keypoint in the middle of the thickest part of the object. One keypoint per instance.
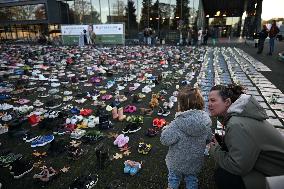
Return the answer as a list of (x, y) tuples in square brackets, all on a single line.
[(131, 167), (102, 155), (6, 159), (85, 182), (42, 141), (121, 140), (151, 132), (20, 168), (75, 152), (129, 109), (93, 136), (77, 134), (131, 128), (164, 112), (146, 111), (46, 174), (34, 120), (144, 148), (118, 113), (159, 122), (135, 119)]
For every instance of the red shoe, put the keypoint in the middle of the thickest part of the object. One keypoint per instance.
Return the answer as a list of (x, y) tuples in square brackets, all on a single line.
[(86, 112), (156, 122), (161, 123), (34, 120), (70, 127)]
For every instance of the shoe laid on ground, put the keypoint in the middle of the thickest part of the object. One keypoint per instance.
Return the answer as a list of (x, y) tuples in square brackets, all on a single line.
[(121, 140), (131, 128), (6, 159), (151, 132), (3, 129), (42, 141), (46, 174), (93, 136), (78, 133), (132, 167), (52, 104), (34, 120), (85, 182), (144, 148), (21, 168), (29, 137)]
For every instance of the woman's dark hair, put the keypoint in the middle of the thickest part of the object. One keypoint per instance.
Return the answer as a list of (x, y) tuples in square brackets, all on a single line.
[(231, 91)]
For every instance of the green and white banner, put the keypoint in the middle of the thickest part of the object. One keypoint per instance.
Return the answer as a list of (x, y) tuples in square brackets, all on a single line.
[(109, 34)]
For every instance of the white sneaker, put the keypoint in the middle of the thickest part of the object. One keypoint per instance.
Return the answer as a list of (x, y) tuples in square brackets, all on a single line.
[(146, 89), (81, 101), (5, 106), (77, 133), (55, 84), (3, 129), (6, 117), (42, 78), (173, 99), (37, 103), (67, 93)]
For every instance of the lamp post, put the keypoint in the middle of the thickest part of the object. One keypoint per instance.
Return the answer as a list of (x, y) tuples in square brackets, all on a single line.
[(100, 9), (109, 11), (148, 13)]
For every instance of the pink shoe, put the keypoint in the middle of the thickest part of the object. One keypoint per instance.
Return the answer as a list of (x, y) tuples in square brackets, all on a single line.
[(121, 140), (130, 109)]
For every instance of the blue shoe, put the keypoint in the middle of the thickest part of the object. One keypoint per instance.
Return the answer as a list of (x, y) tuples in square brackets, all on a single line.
[(4, 96), (134, 170), (126, 168), (42, 141), (75, 110), (19, 72)]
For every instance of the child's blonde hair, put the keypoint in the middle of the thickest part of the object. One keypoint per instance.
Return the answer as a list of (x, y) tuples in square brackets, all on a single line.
[(190, 98)]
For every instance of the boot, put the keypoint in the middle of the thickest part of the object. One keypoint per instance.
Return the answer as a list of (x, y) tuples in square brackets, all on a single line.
[(121, 117), (114, 113), (102, 156)]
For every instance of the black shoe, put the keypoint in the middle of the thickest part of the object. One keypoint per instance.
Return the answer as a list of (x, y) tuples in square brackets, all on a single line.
[(85, 182), (105, 125), (93, 137), (166, 113), (161, 111), (52, 104), (131, 128), (29, 137), (102, 156), (269, 54), (21, 168)]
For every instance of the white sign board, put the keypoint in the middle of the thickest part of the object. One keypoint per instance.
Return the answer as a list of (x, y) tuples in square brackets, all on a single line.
[(103, 29), (73, 29)]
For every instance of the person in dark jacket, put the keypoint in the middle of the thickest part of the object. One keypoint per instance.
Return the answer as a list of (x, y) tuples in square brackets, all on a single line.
[(274, 30), (262, 36), (251, 148)]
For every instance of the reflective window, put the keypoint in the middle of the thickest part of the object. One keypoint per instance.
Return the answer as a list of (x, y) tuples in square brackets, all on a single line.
[(25, 12)]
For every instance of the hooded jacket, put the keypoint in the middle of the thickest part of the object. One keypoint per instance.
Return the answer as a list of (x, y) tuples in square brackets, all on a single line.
[(186, 137), (255, 147)]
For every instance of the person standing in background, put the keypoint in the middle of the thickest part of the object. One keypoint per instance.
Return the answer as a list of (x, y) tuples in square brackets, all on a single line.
[(274, 30), (200, 33), (262, 36)]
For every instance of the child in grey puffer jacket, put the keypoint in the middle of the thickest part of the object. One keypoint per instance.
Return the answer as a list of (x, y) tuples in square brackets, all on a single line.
[(186, 137)]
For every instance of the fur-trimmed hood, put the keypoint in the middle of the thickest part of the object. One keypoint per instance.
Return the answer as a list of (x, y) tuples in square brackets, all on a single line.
[(247, 106), (193, 122)]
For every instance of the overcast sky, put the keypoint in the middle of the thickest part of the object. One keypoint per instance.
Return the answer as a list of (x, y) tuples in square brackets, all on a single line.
[(272, 9)]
